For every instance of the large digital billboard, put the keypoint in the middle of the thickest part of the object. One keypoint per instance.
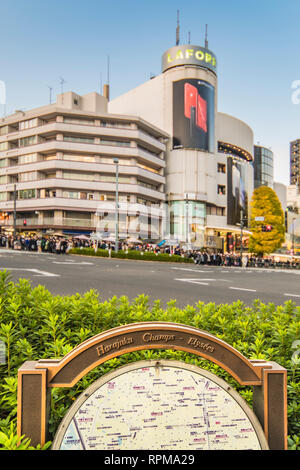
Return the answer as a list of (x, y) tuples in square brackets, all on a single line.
[(237, 195), (193, 115)]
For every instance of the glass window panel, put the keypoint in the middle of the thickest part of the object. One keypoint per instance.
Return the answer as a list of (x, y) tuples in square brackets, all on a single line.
[(80, 158), (83, 140)]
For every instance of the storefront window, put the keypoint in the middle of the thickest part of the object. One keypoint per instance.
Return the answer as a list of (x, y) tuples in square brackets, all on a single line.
[(185, 215)]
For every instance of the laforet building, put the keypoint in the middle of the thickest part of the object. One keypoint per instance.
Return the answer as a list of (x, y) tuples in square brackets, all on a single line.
[(175, 150), (209, 156)]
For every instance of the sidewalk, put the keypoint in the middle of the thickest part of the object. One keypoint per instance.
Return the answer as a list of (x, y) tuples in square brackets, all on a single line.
[(279, 268)]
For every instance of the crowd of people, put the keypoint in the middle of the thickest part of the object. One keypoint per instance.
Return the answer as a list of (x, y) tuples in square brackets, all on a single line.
[(60, 244), (35, 243)]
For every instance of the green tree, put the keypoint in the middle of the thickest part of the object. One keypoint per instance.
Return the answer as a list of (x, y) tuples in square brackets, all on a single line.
[(267, 234)]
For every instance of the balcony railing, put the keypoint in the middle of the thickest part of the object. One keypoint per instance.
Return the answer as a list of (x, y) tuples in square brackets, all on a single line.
[(48, 222)]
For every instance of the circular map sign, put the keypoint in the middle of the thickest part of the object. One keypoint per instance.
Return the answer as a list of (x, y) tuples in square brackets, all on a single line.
[(165, 405)]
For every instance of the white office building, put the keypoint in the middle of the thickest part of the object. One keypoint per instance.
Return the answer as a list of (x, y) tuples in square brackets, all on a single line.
[(58, 167)]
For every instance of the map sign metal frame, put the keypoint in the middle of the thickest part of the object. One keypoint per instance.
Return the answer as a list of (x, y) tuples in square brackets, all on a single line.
[(36, 378)]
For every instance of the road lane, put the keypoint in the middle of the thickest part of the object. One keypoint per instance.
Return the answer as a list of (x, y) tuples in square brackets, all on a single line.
[(69, 274)]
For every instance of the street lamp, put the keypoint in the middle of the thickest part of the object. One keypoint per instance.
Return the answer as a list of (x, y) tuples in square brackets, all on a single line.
[(116, 161), (15, 211), (293, 237), (242, 225), (186, 196)]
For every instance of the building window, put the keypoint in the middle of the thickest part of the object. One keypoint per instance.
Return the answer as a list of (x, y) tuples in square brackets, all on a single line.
[(50, 175), (80, 158), (221, 189), (28, 176), (221, 168), (3, 130), (50, 193), (50, 157), (119, 143), (122, 161), (86, 122), (3, 146), (27, 194), (80, 140), (3, 179), (28, 124), (214, 210), (79, 176), (115, 124), (29, 158), (148, 152), (71, 194), (112, 179), (148, 185), (28, 141), (149, 168)]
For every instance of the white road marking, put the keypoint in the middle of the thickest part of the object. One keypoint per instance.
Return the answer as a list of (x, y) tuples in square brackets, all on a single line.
[(37, 271), (194, 270), (242, 288), (193, 281), (292, 295), (70, 263)]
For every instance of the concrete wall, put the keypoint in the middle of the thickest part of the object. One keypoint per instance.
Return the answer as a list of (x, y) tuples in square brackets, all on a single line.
[(281, 191), (234, 131)]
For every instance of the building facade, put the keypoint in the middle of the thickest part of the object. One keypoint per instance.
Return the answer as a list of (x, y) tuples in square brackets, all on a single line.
[(263, 167), (58, 167), (184, 171), (295, 163)]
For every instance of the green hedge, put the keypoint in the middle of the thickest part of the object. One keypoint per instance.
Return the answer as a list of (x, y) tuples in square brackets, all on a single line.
[(132, 254), (35, 325)]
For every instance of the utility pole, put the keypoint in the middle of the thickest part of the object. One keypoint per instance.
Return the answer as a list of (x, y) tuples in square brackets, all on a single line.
[(116, 161), (62, 82), (187, 219), (50, 94), (177, 29), (242, 225), (293, 237), (15, 211)]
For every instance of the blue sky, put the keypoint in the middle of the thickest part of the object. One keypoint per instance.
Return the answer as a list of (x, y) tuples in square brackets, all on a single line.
[(256, 43)]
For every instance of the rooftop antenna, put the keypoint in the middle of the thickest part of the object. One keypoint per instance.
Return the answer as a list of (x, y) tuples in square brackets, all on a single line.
[(108, 69), (50, 94), (177, 29), (106, 85), (62, 82), (206, 40), (189, 38)]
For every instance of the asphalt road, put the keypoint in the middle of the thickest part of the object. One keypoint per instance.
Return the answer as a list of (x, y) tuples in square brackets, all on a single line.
[(187, 283)]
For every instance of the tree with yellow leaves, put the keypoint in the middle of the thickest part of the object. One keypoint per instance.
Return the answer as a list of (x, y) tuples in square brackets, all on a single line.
[(266, 222)]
